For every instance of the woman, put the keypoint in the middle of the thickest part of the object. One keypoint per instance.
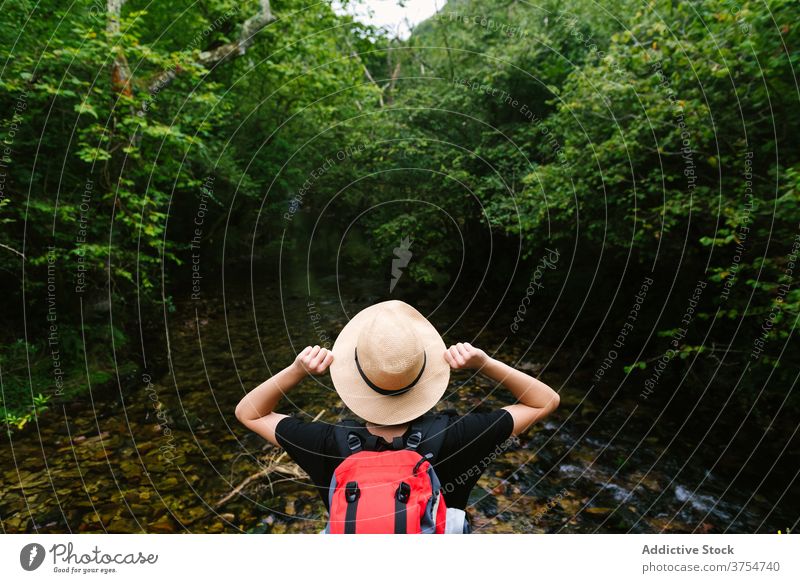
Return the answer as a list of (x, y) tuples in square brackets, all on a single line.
[(390, 366)]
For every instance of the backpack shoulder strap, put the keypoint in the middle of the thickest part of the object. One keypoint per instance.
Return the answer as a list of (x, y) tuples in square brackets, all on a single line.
[(427, 434), (351, 437)]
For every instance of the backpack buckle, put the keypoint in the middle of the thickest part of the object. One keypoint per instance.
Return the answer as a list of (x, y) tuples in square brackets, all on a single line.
[(353, 442), (414, 440), (403, 492), (351, 492)]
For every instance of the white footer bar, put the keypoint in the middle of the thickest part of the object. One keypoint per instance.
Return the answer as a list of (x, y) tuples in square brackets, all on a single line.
[(389, 559)]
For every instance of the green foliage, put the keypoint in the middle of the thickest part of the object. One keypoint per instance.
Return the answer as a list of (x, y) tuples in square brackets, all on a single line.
[(660, 134), (103, 177), (19, 420), (671, 127), (656, 136)]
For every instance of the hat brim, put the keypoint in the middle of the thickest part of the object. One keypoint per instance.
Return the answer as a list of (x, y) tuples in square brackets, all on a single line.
[(389, 409)]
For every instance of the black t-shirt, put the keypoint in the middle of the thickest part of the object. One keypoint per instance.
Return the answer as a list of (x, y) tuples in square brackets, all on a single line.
[(471, 443)]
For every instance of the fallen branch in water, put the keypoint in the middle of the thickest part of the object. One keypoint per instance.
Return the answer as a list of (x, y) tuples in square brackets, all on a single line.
[(274, 465)]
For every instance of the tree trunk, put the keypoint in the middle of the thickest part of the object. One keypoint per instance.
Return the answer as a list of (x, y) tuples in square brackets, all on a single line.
[(120, 70)]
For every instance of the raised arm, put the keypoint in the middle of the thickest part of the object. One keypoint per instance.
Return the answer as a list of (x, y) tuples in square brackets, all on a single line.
[(536, 399), (255, 410)]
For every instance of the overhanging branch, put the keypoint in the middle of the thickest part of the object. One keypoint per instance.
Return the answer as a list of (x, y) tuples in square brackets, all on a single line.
[(250, 28), (231, 50)]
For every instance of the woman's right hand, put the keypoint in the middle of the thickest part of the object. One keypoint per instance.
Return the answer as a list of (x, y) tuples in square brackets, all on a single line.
[(314, 360), (464, 355)]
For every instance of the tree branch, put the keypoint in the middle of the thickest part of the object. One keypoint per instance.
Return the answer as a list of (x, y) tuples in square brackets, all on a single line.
[(389, 87), (250, 28), (12, 250), (371, 79)]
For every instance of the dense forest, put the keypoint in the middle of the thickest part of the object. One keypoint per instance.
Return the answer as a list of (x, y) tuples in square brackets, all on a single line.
[(618, 182)]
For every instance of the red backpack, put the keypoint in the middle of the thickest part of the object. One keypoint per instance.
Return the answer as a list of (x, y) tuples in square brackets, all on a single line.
[(391, 491)]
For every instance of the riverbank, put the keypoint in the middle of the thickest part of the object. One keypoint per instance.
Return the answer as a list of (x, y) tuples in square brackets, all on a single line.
[(162, 455)]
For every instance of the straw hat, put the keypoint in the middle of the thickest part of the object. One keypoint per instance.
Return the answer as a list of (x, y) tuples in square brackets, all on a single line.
[(388, 364)]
